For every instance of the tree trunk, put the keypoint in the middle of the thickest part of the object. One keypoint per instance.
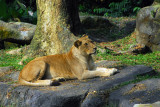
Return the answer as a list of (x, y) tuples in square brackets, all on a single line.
[(58, 23)]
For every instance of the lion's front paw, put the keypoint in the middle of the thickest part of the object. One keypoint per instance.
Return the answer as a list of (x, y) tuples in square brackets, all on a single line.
[(113, 71), (107, 71), (110, 71)]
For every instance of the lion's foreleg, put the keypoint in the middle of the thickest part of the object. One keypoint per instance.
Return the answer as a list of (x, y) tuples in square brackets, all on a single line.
[(98, 72), (106, 71)]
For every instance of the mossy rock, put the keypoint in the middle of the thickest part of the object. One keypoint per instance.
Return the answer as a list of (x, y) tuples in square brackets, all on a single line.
[(147, 27), (16, 32)]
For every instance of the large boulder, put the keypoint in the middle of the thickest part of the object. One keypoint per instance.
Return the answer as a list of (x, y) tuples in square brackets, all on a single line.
[(16, 32), (148, 27), (85, 93), (140, 94)]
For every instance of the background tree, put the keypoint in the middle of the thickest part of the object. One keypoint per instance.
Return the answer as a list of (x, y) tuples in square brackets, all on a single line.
[(58, 26)]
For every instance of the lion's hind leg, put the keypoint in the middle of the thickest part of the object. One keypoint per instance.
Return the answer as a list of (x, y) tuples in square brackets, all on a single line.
[(33, 73)]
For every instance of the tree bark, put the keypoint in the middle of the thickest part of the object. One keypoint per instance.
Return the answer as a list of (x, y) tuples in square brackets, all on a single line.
[(58, 26)]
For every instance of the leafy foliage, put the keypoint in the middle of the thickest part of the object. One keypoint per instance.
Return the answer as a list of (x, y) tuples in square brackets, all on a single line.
[(15, 9), (136, 9), (114, 8), (12, 60), (118, 9), (100, 10)]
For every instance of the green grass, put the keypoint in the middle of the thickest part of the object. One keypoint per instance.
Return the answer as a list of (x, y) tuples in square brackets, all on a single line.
[(149, 59), (12, 60)]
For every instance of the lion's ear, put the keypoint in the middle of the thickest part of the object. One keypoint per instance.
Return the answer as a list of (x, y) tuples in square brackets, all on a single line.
[(77, 43)]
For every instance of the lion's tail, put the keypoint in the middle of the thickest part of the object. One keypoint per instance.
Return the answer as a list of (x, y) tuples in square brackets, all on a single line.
[(36, 83)]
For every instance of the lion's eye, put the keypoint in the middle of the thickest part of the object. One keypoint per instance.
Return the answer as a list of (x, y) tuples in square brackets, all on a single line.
[(86, 44)]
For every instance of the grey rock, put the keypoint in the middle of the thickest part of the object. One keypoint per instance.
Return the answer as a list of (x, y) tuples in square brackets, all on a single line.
[(16, 32), (94, 99), (143, 92), (5, 69), (14, 75), (84, 93), (147, 27), (6, 73)]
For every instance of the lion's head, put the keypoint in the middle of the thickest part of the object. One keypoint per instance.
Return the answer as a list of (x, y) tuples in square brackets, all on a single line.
[(85, 45)]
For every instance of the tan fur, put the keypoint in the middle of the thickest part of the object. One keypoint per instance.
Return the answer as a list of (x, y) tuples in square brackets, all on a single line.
[(77, 63)]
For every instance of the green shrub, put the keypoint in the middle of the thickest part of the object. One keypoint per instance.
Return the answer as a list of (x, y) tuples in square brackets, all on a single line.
[(100, 10), (118, 9), (16, 10), (136, 9)]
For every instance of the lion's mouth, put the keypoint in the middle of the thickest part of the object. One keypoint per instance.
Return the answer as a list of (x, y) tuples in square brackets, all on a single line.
[(94, 51)]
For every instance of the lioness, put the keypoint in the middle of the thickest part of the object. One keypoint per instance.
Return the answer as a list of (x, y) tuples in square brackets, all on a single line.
[(77, 63)]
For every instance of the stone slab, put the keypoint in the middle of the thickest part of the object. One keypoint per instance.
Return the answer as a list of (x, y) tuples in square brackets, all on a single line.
[(144, 92), (84, 93)]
